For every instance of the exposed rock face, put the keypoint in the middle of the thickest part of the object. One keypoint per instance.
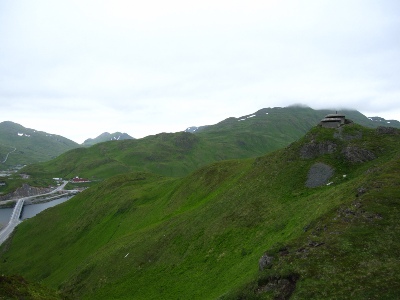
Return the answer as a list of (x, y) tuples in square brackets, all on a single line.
[(358, 155), (25, 191), (313, 149), (283, 287), (318, 175), (347, 136), (387, 130), (360, 191), (265, 262)]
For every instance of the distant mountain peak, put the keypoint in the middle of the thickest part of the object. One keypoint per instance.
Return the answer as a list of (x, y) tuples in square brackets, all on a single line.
[(106, 136), (384, 122), (280, 115)]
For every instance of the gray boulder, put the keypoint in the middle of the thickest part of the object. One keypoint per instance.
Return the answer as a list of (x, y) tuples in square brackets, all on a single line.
[(318, 175)]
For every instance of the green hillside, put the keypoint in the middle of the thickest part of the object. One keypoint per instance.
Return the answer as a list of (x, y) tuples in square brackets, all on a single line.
[(178, 154), (105, 137), (30, 145), (144, 236), (283, 123), (16, 287), (173, 154)]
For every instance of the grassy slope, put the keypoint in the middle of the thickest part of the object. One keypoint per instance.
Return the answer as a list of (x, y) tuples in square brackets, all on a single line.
[(178, 154), (143, 236), (169, 154), (33, 146), (16, 287), (349, 252), (14, 182)]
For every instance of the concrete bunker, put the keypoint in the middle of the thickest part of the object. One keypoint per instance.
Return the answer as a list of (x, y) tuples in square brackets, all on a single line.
[(334, 121)]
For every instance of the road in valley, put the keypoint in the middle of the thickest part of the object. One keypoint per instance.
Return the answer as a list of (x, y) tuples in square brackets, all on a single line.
[(15, 217)]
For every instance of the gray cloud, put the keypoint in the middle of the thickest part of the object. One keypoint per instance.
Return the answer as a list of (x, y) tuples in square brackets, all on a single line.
[(151, 66)]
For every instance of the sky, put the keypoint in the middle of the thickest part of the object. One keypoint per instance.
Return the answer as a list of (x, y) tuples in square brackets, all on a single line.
[(81, 68)]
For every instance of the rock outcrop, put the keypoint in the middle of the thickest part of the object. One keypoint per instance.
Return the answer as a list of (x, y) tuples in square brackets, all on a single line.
[(313, 149), (318, 175), (25, 191), (265, 262), (387, 130), (358, 155)]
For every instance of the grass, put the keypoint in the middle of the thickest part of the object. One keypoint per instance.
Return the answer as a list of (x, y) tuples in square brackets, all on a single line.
[(16, 287), (80, 185), (179, 154), (14, 182), (145, 236), (33, 146)]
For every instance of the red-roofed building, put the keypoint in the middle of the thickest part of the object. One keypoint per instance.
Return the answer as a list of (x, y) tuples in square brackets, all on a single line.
[(79, 180)]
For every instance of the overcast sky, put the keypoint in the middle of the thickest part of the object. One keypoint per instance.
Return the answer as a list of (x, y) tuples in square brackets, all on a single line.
[(80, 68)]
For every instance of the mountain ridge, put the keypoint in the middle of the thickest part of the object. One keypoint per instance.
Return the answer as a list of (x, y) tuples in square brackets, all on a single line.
[(178, 154), (30, 145), (145, 236), (55, 145), (106, 136), (359, 118)]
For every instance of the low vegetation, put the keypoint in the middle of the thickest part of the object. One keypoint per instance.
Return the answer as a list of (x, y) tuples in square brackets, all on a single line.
[(29, 146), (179, 154), (16, 287), (14, 182), (144, 236)]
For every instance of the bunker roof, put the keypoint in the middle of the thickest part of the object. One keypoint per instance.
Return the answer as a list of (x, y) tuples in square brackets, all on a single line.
[(334, 116), (331, 119)]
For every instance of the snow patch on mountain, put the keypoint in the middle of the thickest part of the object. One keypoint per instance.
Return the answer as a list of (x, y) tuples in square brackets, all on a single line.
[(23, 134), (194, 129)]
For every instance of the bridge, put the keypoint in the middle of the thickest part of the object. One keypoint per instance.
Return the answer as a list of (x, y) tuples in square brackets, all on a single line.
[(16, 214), (14, 220)]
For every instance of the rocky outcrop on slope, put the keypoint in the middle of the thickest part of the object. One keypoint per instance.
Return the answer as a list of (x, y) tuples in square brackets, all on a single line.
[(388, 130), (318, 175), (358, 155), (25, 191), (313, 149)]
